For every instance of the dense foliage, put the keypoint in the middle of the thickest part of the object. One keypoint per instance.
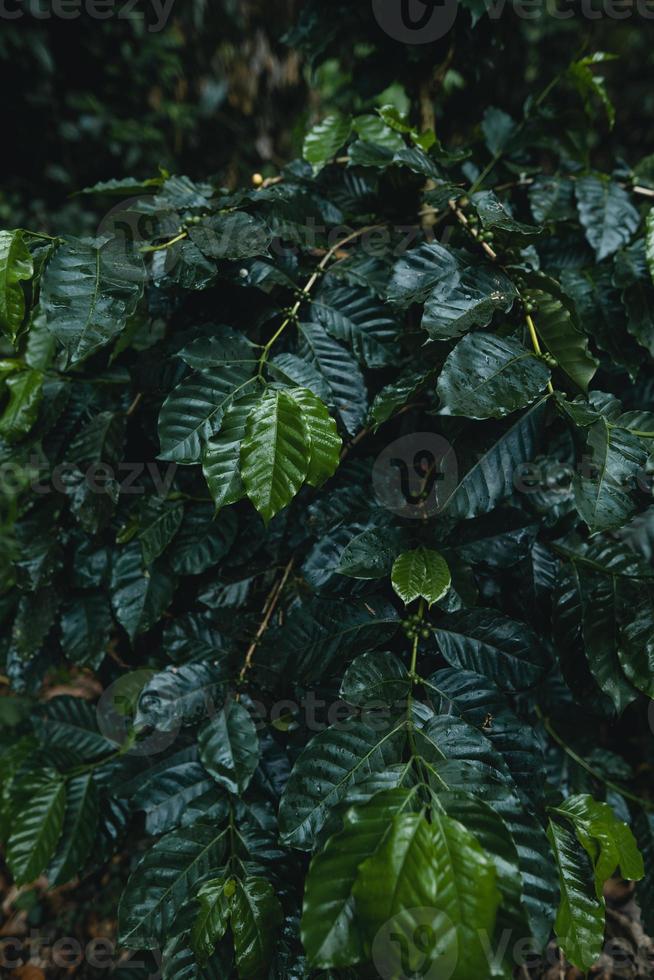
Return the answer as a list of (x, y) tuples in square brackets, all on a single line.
[(337, 490)]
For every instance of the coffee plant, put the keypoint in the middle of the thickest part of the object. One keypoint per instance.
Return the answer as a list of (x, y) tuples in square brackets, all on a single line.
[(327, 583)]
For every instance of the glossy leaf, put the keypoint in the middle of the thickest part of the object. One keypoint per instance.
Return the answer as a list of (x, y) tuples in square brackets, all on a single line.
[(422, 573), (88, 292), (229, 747), (489, 377), (16, 267), (274, 453)]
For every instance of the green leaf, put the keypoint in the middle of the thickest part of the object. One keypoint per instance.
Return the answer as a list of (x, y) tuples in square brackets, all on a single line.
[(325, 139), (371, 554), (203, 539), (614, 460), (588, 84), (71, 723), (439, 867), (507, 652), (166, 877), (420, 271), (25, 394), (224, 349), (606, 213), (274, 453), (180, 695), (16, 266), (373, 129), (332, 762), (608, 841), (329, 927), (467, 300), (222, 453), (649, 241), (494, 217), (168, 796), (552, 199), (396, 394), (234, 235), (498, 128), (491, 478), (373, 677), (340, 371), (636, 640), (488, 377), (38, 827), (590, 599), (323, 438), (564, 341), (159, 522), (88, 291), (212, 920), (229, 747), (421, 573), (255, 915), (579, 923), (194, 410), (80, 826), (139, 595), (359, 319), (86, 625)]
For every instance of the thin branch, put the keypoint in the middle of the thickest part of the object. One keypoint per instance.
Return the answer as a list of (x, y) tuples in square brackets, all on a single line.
[(132, 408), (269, 607), (304, 294), (646, 804)]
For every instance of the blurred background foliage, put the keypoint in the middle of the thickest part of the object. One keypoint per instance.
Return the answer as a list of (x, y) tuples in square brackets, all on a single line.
[(228, 87)]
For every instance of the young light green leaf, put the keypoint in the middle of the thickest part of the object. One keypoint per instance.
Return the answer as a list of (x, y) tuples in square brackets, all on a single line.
[(420, 573), (16, 266), (438, 867), (222, 454), (608, 841), (579, 923), (324, 140), (562, 337), (25, 394), (330, 932), (274, 453), (324, 440)]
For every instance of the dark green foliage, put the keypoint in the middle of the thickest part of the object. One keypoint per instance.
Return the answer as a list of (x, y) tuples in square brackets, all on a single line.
[(354, 535)]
